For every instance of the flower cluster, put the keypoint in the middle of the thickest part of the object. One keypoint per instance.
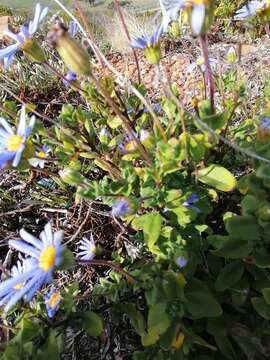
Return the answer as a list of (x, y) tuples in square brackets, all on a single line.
[(43, 255)]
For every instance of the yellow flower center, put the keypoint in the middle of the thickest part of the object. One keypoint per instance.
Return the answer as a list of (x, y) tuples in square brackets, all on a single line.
[(14, 142), (18, 286), (41, 154), (200, 61), (47, 258), (53, 300), (200, 2), (131, 146), (92, 250)]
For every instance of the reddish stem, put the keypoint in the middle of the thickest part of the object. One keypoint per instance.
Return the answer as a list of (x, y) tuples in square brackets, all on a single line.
[(121, 17), (208, 71)]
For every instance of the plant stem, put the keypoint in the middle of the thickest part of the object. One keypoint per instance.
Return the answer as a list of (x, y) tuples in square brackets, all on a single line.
[(126, 122), (89, 32), (267, 29), (57, 73), (208, 72), (110, 264), (121, 17)]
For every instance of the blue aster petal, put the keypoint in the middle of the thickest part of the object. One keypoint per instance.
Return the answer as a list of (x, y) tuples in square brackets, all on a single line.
[(248, 10), (88, 248), (5, 158), (120, 208), (38, 17), (73, 28), (42, 262), (197, 18), (181, 261)]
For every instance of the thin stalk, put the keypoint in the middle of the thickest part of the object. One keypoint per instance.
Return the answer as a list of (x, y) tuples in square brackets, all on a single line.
[(121, 80), (208, 71), (169, 93), (267, 29), (121, 17), (111, 265), (57, 73), (89, 32)]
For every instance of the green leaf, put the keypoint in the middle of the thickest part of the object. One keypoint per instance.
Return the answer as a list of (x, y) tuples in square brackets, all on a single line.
[(229, 275), (151, 225), (261, 306), (158, 319), (202, 305), (217, 177), (261, 258), (92, 323), (184, 215), (50, 350), (243, 227), (233, 249), (263, 172), (68, 260), (115, 122), (249, 204), (266, 295), (136, 318), (149, 339), (196, 339), (29, 330), (225, 347)]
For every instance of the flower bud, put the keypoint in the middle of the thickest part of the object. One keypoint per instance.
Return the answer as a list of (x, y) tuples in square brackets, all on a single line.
[(32, 49), (231, 56), (174, 29), (72, 53), (153, 54)]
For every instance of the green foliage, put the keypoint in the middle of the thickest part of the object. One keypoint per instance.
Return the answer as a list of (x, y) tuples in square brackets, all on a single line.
[(196, 187)]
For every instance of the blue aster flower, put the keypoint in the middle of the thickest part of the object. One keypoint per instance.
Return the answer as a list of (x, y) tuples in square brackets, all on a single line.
[(120, 208), (144, 41), (181, 261), (198, 15), (198, 11), (190, 201), (170, 12), (250, 9), (45, 254), (150, 44), (70, 77), (41, 156), (87, 249), (199, 63), (129, 144), (26, 33), (265, 123), (52, 302), (16, 272), (12, 144)]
